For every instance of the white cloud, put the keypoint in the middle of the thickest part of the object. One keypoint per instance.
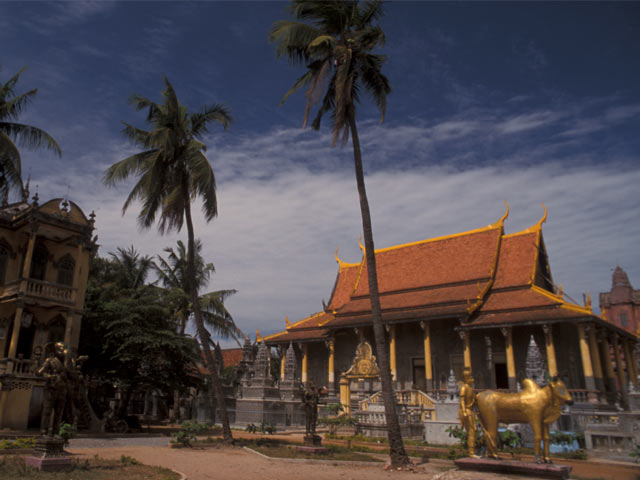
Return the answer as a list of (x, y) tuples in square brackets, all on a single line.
[(282, 216)]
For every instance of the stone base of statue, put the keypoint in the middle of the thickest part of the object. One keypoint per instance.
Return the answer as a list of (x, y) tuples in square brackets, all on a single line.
[(49, 455), (513, 467), (313, 444)]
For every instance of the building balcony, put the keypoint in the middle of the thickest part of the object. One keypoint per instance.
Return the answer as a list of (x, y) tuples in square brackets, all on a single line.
[(39, 290)]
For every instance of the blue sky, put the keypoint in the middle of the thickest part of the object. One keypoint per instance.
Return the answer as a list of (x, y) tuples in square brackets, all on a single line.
[(525, 102)]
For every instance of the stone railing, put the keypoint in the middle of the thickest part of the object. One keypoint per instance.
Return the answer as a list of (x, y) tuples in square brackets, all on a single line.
[(584, 396), (416, 406), (19, 367), (412, 398), (50, 291)]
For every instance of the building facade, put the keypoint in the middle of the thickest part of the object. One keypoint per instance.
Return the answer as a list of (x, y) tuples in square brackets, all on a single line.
[(475, 299), (44, 265)]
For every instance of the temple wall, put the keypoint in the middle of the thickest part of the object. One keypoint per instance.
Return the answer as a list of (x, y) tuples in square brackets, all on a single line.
[(409, 345), (446, 351), (318, 363), (568, 355), (345, 349)]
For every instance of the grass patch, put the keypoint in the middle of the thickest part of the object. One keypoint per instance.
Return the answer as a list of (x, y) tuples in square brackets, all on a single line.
[(14, 468), (28, 442)]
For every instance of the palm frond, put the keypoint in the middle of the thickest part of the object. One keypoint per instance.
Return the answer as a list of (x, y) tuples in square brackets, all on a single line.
[(30, 137), (13, 108)]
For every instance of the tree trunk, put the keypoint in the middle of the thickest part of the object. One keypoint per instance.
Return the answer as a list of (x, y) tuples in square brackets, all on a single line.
[(202, 331), (396, 446)]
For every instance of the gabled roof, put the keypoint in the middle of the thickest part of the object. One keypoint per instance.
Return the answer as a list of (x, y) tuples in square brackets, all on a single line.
[(480, 278)]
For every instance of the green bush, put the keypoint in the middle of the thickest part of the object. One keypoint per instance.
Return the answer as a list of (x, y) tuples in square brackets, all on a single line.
[(188, 432), (19, 443), (67, 432), (635, 453)]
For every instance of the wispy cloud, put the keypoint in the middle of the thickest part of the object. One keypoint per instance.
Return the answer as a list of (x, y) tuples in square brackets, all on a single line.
[(67, 13)]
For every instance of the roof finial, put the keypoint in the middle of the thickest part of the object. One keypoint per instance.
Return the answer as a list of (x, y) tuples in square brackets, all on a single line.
[(360, 243), (506, 213), (258, 336), (587, 301), (287, 322), (544, 217), (25, 189), (340, 262), (35, 198)]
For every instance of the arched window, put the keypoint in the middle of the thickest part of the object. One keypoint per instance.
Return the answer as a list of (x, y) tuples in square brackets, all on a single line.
[(4, 259), (56, 329), (39, 262), (66, 267)]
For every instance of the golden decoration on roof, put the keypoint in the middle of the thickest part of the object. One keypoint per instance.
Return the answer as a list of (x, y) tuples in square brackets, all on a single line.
[(287, 322), (258, 336)]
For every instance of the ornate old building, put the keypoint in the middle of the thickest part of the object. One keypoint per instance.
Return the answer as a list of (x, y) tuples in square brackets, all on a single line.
[(621, 305), (44, 264), (475, 299)]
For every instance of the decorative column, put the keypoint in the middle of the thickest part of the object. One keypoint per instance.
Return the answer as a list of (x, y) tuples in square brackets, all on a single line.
[(345, 394), (26, 268), (15, 334), (587, 368), (331, 345), (428, 369), (605, 351), (305, 363), (622, 381), (391, 329), (632, 368), (464, 335), (551, 351), (511, 364), (283, 360), (595, 358)]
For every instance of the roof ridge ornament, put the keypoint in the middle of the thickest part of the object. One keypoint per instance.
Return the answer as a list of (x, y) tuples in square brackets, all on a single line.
[(364, 250), (340, 262), (287, 322)]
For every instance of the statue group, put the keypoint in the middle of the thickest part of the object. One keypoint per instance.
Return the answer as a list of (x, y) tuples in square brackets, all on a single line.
[(537, 406), (63, 388)]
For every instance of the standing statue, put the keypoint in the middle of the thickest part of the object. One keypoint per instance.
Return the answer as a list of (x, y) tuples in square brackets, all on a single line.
[(310, 398), (466, 412), (534, 405), (54, 371)]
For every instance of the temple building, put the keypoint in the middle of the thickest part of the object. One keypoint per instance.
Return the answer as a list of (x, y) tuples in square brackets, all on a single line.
[(621, 305), (44, 264), (479, 299)]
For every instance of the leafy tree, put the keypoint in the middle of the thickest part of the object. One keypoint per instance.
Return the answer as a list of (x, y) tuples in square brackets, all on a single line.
[(173, 170), (129, 334), (12, 132), (334, 40)]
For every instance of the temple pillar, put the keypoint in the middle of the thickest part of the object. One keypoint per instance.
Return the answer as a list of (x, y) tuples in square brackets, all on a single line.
[(587, 368), (632, 368), (26, 268), (345, 395), (511, 364), (428, 368), (466, 349), (283, 359), (15, 334), (605, 351), (392, 352), (595, 359), (622, 380), (305, 363), (551, 351), (331, 345)]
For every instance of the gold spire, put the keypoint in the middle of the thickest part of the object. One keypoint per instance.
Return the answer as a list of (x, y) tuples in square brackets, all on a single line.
[(258, 336), (287, 322)]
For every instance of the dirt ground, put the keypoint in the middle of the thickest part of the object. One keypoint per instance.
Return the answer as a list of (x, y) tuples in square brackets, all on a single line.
[(240, 463)]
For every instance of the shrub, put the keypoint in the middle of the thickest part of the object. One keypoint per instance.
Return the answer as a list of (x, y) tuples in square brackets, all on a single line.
[(67, 432), (188, 432)]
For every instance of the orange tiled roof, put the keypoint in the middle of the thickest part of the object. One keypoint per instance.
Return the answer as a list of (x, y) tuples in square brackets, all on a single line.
[(481, 277)]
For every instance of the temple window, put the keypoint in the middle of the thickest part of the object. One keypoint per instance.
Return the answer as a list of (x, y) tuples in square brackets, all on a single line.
[(66, 267), (624, 320), (39, 262), (4, 259)]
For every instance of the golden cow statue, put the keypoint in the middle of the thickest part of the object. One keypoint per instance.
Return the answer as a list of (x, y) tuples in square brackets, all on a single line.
[(538, 406)]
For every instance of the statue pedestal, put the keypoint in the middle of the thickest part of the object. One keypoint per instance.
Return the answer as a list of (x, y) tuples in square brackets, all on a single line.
[(49, 455), (539, 470), (313, 444)]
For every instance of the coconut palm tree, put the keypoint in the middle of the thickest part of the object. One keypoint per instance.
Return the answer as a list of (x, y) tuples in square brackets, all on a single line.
[(132, 268), (334, 40), (172, 273), (172, 170), (11, 132)]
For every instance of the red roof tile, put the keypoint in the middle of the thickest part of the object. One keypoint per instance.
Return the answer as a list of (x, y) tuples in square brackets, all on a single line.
[(516, 260), (231, 357), (345, 283)]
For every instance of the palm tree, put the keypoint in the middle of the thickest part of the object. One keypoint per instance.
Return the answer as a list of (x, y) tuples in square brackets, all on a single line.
[(172, 171), (131, 268), (334, 40), (11, 106), (172, 273)]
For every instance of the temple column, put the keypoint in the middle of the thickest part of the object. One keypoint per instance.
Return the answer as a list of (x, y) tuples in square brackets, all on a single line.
[(392, 352), (511, 364), (283, 360), (605, 351), (15, 334), (587, 368), (428, 369), (26, 267), (345, 395), (622, 380), (632, 370), (551, 351), (595, 359), (331, 345), (305, 363)]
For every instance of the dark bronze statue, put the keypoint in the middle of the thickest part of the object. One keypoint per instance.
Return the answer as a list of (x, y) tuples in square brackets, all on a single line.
[(54, 371), (310, 398)]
